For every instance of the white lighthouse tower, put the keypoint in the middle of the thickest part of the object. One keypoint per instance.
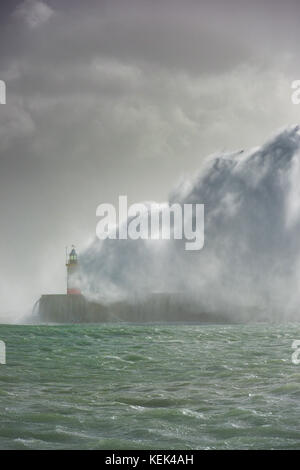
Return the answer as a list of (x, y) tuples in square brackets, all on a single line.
[(72, 269)]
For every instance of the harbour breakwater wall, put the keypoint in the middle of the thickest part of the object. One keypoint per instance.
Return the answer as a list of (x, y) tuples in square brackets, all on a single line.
[(155, 308)]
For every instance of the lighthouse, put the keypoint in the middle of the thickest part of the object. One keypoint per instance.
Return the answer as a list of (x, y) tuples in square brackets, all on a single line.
[(72, 269)]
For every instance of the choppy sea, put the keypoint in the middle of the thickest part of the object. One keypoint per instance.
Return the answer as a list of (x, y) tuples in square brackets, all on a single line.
[(154, 386)]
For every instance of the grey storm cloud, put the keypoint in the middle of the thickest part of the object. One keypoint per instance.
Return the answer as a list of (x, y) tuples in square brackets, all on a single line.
[(33, 12), (124, 97)]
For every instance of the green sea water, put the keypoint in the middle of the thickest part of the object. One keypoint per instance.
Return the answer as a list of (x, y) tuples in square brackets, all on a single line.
[(129, 386)]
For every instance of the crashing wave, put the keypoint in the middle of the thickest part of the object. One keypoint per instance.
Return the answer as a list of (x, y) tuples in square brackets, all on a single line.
[(251, 256)]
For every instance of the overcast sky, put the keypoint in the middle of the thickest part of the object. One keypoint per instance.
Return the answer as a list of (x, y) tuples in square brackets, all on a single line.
[(114, 97)]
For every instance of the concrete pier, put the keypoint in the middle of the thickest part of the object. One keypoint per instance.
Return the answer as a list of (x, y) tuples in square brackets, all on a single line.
[(70, 309), (154, 308)]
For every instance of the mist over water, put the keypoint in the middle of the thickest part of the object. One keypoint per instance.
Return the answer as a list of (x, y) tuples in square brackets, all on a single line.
[(250, 263)]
